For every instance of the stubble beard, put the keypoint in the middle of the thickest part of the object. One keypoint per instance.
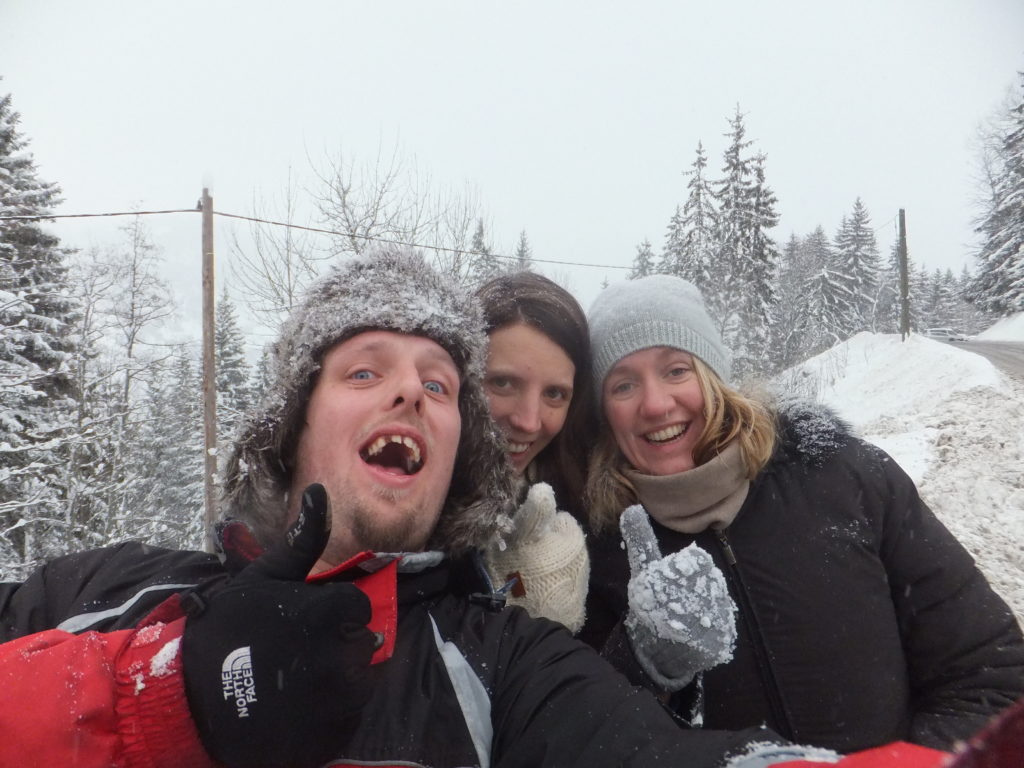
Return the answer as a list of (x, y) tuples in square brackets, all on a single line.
[(397, 533)]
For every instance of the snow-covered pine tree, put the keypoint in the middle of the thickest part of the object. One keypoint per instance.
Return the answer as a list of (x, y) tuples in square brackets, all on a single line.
[(972, 318), (643, 261), (942, 302), (690, 240), (733, 193), (168, 496), (828, 296), (887, 296), (919, 280), (260, 382), (792, 335), (753, 354), (1000, 282), (234, 396), (485, 264), (857, 264), (37, 399), (524, 255)]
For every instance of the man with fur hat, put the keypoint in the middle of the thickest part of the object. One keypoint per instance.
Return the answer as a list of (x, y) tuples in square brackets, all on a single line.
[(350, 627)]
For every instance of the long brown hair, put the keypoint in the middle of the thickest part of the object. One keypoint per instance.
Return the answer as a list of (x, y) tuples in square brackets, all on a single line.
[(532, 299), (728, 415)]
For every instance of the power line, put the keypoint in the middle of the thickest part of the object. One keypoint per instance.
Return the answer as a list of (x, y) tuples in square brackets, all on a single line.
[(271, 222), (94, 215), (411, 245)]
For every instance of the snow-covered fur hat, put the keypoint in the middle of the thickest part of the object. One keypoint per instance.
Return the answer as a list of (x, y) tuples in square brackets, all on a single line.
[(392, 289), (652, 311)]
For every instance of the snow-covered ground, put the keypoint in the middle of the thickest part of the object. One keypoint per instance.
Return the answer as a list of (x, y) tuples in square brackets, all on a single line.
[(954, 423)]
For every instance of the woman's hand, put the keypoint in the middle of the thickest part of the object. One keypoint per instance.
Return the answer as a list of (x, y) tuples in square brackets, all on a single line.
[(681, 619)]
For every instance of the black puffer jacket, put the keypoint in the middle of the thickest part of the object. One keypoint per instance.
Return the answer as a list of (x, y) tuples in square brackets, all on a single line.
[(861, 619), (466, 686)]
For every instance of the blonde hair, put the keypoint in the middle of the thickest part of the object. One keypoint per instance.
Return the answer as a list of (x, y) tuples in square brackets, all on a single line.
[(729, 416)]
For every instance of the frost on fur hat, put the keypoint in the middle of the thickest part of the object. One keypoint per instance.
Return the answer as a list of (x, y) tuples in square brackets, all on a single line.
[(391, 289), (652, 311)]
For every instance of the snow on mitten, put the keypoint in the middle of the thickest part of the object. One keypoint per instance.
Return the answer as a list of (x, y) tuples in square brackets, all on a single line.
[(681, 619), (547, 552)]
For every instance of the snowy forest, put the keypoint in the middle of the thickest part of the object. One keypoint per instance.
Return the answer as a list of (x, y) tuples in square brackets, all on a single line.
[(101, 425)]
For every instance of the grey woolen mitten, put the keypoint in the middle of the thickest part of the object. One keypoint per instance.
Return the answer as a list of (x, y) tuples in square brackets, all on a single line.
[(681, 619), (547, 552)]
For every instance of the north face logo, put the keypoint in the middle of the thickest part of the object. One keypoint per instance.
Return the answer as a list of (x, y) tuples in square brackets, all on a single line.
[(236, 679)]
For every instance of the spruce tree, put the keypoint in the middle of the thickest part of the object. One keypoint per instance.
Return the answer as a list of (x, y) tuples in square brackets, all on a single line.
[(37, 315), (690, 240), (828, 295), (485, 264), (643, 261), (999, 286), (524, 256), (919, 298), (760, 268), (168, 457), (733, 193), (260, 382), (857, 263), (234, 397), (792, 335)]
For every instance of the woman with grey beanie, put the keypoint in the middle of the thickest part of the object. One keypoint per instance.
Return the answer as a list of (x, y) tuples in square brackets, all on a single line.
[(762, 565)]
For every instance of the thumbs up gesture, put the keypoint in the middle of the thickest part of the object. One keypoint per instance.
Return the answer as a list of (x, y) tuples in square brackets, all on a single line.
[(275, 667), (547, 553), (681, 619)]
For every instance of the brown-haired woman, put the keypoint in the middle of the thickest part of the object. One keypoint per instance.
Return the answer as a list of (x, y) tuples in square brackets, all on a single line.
[(538, 382)]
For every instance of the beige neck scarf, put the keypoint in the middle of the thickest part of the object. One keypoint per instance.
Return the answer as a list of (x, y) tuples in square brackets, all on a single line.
[(708, 496)]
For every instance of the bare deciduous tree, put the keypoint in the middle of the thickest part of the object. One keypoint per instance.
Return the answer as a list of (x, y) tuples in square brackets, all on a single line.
[(273, 266)]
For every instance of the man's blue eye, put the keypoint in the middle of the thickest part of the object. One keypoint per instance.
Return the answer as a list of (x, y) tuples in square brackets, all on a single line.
[(362, 375), (435, 387)]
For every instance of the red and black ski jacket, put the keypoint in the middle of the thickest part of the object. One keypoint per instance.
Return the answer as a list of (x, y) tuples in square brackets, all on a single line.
[(90, 675)]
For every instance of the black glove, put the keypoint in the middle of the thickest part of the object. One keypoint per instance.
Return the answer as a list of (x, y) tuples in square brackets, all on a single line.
[(274, 666)]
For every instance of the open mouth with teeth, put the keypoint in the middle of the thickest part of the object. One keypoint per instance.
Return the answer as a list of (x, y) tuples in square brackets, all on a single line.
[(517, 448), (397, 454), (666, 435)]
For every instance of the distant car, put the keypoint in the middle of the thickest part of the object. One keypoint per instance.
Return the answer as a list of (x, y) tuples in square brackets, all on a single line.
[(944, 334)]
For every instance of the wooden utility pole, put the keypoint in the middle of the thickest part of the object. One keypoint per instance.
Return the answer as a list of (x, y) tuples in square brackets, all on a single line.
[(901, 255), (209, 375)]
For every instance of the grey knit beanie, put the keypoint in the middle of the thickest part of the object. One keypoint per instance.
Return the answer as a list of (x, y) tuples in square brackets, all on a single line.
[(393, 289), (652, 311)]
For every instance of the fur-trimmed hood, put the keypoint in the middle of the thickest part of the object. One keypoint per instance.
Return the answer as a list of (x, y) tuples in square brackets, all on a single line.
[(809, 432), (394, 289)]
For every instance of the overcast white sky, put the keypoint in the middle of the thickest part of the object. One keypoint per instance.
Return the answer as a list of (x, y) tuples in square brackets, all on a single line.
[(573, 120)]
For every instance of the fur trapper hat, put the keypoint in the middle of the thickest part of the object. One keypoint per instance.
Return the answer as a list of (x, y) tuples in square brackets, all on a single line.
[(393, 289)]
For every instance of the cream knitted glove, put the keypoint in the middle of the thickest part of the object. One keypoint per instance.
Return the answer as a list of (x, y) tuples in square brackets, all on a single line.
[(547, 552), (681, 619)]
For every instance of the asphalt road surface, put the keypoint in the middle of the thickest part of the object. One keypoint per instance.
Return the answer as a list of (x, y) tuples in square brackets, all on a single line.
[(1007, 356)]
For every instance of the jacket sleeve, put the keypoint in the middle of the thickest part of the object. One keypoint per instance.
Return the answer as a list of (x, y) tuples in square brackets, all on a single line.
[(97, 699), (556, 702), (965, 654)]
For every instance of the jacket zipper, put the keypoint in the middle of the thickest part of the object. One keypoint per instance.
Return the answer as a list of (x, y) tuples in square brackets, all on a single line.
[(760, 651)]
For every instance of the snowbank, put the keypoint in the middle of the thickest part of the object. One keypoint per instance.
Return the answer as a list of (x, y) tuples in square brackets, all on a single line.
[(953, 422), (1007, 329)]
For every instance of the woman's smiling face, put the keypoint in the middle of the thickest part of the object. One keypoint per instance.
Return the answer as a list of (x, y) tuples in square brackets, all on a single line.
[(529, 384), (655, 407)]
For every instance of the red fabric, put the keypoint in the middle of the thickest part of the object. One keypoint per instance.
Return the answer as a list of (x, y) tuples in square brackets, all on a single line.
[(97, 699), (898, 754), (1000, 744), (382, 588)]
